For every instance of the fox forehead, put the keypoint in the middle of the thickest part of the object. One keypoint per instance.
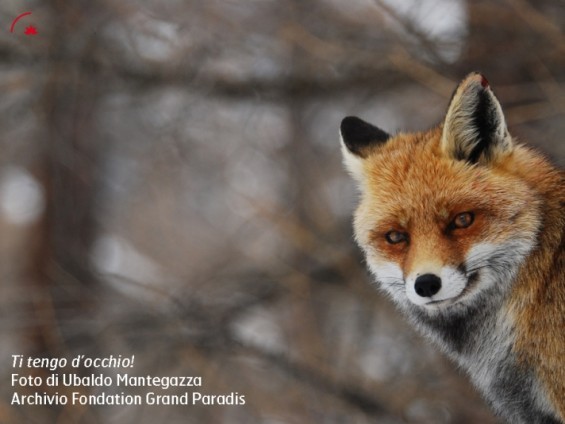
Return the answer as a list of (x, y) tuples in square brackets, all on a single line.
[(409, 177)]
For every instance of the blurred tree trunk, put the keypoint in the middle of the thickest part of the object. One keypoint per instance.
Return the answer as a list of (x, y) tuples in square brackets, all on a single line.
[(73, 148), (67, 165)]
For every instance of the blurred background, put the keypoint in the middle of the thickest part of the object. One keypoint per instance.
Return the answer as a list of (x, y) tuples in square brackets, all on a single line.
[(171, 188)]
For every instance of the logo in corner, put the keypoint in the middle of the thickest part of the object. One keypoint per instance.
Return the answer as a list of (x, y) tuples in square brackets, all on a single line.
[(30, 30)]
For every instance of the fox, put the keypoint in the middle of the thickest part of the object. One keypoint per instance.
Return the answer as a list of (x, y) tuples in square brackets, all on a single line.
[(463, 227)]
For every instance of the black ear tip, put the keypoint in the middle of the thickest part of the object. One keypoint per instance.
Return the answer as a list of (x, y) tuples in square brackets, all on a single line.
[(350, 124), (358, 134)]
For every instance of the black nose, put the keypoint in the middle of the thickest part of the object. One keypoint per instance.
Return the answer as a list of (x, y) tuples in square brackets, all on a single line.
[(427, 285)]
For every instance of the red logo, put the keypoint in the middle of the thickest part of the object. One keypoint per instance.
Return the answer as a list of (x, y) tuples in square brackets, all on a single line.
[(30, 30)]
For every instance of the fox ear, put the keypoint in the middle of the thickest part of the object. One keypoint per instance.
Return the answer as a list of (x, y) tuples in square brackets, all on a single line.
[(475, 129), (357, 139)]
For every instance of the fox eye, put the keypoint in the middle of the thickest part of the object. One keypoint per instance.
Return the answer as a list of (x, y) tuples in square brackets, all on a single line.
[(395, 237), (463, 220)]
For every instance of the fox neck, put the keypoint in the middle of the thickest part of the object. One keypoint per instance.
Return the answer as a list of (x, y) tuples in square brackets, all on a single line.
[(462, 330), (480, 339), (537, 300)]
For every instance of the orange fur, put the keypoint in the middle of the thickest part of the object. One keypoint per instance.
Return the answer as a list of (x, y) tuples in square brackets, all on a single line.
[(538, 299)]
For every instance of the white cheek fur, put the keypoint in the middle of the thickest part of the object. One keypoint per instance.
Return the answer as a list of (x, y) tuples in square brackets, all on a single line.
[(496, 262), (390, 277)]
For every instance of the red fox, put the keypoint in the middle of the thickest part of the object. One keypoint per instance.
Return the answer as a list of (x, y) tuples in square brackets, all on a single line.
[(465, 230)]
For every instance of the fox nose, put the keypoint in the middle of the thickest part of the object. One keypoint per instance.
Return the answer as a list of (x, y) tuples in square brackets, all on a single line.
[(427, 285)]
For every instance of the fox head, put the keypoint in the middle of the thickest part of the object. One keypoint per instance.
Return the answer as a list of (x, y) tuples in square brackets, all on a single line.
[(445, 215)]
